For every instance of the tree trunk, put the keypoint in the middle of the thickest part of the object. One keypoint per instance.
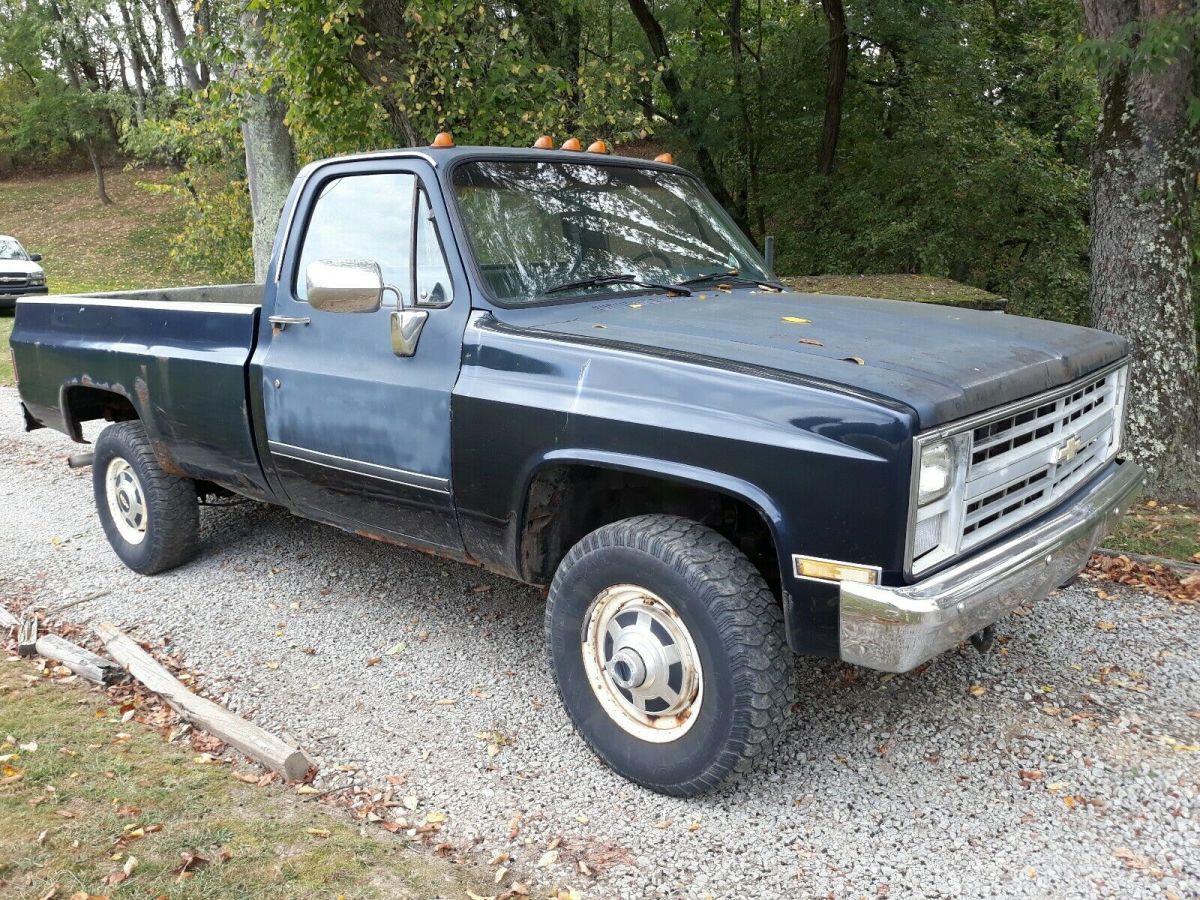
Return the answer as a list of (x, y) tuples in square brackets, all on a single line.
[(685, 117), (835, 83), (1144, 165), (180, 39), (101, 191), (270, 153)]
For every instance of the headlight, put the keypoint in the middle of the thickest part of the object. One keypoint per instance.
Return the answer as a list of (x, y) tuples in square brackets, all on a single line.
[(937, 472), (37, 277)]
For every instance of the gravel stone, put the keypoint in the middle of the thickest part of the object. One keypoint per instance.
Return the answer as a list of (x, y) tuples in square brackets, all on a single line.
[(883, 785)]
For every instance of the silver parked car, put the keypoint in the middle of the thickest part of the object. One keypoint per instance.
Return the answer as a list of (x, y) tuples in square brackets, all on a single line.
[(20, 274)]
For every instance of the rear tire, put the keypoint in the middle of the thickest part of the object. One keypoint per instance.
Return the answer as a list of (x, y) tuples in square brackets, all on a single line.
[(669, 652), (150, 518)]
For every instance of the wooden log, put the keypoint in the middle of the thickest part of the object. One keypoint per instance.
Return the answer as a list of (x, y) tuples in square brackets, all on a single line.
[(256, 743), (27, 635), (81, 662)]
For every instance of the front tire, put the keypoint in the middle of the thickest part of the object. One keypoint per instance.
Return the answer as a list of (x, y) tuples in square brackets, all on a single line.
[(150, 518), (669, 652)]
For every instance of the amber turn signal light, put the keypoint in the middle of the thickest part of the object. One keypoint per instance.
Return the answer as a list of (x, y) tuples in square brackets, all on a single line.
[(665, 158), (545, 142), (597, 147), (572, 144), (443, 139)]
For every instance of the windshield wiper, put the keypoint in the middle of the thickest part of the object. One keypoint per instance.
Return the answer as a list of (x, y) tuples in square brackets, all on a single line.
[(731, 276), (601, 280)]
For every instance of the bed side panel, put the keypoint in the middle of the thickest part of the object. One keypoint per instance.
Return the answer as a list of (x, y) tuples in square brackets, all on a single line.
[(181, 365)]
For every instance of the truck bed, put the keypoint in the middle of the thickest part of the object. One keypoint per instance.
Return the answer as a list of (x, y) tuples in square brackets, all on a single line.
[(176, 357)]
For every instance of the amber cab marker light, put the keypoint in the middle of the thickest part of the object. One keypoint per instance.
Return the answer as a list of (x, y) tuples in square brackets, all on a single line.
[(597, 147), (572, 144), (545, 142), (665, 158), (443, 139)]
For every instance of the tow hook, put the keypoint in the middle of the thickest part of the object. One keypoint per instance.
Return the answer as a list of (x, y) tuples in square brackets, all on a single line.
[(982, 640), (83, 460)]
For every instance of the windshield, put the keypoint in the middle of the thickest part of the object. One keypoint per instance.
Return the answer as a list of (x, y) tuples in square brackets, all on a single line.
[(10, 249), (539, 226)]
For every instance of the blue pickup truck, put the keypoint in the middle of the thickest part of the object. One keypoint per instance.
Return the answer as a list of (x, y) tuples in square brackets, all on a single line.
[(572, 369)]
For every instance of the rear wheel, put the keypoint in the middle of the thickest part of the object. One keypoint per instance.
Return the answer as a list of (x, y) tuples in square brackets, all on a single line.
[(669, 652), (151, 518)]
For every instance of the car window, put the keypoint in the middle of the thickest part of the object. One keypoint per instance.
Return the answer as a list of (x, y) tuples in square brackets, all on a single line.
[(433, 286), (362, 217), (11, 249)]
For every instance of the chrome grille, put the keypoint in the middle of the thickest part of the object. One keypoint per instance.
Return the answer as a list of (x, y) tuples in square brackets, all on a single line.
[(13, 279), (1022, 462)]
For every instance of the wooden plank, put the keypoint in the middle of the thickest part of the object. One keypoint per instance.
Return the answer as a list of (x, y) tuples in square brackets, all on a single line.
[(256, 743), (81, 662)]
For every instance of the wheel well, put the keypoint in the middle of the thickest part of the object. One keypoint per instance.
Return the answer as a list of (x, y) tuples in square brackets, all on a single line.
[(567, 502), (83, 404)]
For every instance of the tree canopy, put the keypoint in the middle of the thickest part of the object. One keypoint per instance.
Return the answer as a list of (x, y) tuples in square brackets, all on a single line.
[(942, 138)]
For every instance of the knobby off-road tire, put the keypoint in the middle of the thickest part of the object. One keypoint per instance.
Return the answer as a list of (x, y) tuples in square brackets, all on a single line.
[(696, 597), (150, 518)]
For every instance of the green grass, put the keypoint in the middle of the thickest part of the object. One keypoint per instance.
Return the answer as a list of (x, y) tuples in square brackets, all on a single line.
[(87, 246), (92, 779), (1171, 530)]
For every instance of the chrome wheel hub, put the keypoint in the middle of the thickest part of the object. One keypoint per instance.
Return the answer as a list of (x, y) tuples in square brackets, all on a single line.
[(126, 500), (642, 664)]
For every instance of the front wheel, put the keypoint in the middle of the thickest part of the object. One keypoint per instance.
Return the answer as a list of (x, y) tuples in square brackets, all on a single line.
[(151, 519), (669, 653)]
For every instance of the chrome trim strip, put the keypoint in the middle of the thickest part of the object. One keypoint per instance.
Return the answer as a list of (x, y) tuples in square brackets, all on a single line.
[(211, 306), (999, 412), (418, 480), (313, 167), (895, 629)]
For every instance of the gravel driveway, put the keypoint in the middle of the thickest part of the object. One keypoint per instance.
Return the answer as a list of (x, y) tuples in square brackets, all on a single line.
[(1064, 763)]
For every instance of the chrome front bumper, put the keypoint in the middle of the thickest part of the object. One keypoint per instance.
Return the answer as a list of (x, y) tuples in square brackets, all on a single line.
[(895, 629)]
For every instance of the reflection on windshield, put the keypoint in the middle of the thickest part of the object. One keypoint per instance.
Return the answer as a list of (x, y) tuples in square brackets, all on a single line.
[(10, 249), (537, 225)]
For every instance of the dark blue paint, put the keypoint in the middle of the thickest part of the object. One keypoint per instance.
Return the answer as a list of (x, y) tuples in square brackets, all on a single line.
[(714, 390)]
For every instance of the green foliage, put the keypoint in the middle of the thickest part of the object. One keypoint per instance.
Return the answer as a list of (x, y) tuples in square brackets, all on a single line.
[(214, 236)]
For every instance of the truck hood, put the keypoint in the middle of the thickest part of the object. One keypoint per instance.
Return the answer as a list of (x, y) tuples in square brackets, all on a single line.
[(19, 266), (944, 363)]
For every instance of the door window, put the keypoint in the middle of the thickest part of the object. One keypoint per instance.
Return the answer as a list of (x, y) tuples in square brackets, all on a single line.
[(433, 286), (362, 217)]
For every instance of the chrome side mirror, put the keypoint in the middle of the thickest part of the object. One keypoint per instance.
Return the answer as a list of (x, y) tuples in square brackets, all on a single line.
[(344, 285)]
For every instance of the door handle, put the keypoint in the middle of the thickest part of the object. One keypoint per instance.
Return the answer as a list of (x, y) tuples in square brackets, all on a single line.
[(278, 323), (407, 325)]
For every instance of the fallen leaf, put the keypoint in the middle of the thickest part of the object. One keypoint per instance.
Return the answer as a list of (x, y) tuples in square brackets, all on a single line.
[(1107, 626), (190, 861), (796, 320), (977, 690), (1130, 859), (445, 701), (549, 858), (812, 342), (318, 832)]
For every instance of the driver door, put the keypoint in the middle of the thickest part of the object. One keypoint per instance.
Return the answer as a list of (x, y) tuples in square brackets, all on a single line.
[(358, 435)]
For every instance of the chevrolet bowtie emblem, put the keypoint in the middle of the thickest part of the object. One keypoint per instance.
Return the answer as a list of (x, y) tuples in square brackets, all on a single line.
[(1068, 451)]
